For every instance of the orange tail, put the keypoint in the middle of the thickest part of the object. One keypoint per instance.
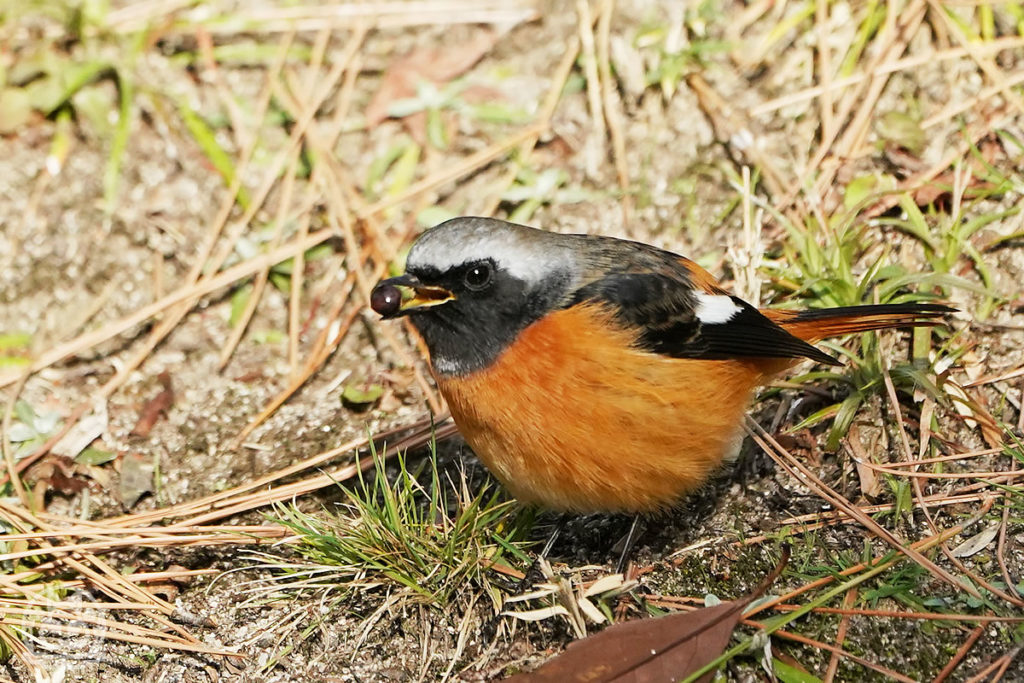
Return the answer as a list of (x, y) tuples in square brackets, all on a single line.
[(813, 325)]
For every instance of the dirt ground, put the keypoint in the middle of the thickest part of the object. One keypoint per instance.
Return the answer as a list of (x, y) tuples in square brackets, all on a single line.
[(72, 263)]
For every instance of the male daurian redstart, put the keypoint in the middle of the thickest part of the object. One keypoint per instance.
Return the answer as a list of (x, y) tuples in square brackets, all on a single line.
[(596, 374)]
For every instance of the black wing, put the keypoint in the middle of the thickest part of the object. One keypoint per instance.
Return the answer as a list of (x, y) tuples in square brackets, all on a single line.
[(664, 306)]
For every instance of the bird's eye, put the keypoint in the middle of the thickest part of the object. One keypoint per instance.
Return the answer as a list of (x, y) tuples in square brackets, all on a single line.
[(478, 276)]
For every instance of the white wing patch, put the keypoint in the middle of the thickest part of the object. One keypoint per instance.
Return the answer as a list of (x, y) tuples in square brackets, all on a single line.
[(715, 309)]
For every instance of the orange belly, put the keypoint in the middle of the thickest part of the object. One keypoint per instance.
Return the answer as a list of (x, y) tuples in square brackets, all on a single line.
[(574, 417)]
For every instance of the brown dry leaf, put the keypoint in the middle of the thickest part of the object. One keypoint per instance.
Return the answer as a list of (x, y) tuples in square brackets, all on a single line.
[(61, 483), (251, 377), (940, 189), (663, 649), (870, 485), (57, 474), (167, 590), (972, 406), (990, 430), (185, 579), (157, 406), (971, 402), (666, 648), (436, 65)]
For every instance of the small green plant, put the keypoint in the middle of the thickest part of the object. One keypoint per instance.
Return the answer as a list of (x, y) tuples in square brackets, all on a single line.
[(675, 54), (533, 190), (31, 429), (947, 237), (433, 100), (402, 535), (818, 267), (419, 530), (14, 349)]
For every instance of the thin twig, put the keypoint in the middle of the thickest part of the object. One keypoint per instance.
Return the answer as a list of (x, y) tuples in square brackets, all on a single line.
[(844, 624), (585, 23), (825, 104), (5, 442), (612, 107), (796, 637), (222, 279), (906, 63), (547, 110), (803, 474)]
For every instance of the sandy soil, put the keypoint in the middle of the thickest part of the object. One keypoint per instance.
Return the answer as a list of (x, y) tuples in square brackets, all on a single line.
[(67, 267)]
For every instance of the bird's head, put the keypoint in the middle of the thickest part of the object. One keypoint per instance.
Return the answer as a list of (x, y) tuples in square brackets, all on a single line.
[(471, 285)]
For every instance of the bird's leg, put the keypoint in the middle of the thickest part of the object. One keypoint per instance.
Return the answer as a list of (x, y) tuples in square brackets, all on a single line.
[(636, 529), (555, 533), (534, 569)]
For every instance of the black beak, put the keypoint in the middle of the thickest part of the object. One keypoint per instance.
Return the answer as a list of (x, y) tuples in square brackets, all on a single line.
[(400, 295)]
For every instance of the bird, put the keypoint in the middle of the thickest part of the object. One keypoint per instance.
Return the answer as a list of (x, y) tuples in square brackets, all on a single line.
[(595, 374)]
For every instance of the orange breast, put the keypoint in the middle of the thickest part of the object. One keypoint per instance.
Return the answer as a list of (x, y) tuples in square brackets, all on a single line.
[(574, 417)]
